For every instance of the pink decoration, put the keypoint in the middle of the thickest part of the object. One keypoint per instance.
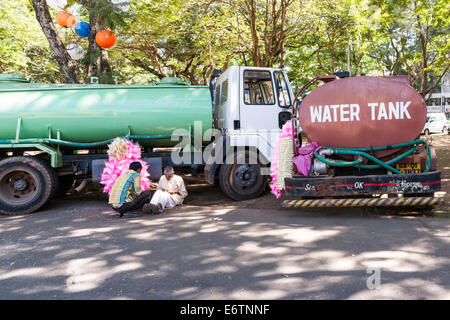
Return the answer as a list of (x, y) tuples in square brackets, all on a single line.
[(114, 168), (286, 132), (305, 155)]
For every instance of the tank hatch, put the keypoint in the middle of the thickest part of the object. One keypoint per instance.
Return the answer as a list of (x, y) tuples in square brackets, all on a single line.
[(173, 81), (12, 77)]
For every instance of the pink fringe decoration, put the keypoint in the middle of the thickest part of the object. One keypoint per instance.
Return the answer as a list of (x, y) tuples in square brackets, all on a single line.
[(114, 168), (286, 132)]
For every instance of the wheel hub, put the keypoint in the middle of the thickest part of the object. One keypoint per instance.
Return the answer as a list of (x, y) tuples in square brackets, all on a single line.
[(17, 186), (246, 176), (20, 185)]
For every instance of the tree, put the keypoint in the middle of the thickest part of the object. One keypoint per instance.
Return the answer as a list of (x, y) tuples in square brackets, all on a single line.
[(332, 44), (68, 66), (264, 27), (191, 38), (102, 14), (187, 39), (333, 30), (23, 47), (412, 37)]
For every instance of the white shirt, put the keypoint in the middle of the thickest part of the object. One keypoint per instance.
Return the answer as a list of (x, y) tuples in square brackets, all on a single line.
[(176, 184)]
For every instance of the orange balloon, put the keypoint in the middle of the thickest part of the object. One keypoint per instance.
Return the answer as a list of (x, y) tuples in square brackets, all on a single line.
[(105, 39), (65, 19), (71, 21)]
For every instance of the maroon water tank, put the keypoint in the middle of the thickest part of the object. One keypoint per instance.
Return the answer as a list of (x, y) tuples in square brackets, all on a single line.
[(362, 112)]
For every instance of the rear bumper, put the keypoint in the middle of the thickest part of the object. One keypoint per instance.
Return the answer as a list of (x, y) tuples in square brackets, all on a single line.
[(360, 202), (413, 184)]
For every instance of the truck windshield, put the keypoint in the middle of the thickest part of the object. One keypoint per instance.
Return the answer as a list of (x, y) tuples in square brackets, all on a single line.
[(258, 88)]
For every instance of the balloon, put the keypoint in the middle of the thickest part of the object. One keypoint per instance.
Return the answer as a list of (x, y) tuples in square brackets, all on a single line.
[(65, 19), (123, 5), (105, 39), (75, 51), (76, 10), (83, 29), (71, 21), (57, 4)]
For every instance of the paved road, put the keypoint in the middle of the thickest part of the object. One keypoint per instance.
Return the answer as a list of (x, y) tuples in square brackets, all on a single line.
[(76, 249)]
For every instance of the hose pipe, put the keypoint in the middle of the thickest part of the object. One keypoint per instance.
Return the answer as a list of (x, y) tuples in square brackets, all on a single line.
[(379, 164)]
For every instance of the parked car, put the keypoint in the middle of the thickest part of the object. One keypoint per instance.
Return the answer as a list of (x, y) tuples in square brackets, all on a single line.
[(436, 122), (448, 121)]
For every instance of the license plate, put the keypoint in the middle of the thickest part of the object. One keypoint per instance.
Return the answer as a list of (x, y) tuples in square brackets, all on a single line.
[(408, 168)]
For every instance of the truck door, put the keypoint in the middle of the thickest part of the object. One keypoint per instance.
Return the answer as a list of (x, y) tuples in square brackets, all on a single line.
[(265, 102), (284, 97), (264, 95)]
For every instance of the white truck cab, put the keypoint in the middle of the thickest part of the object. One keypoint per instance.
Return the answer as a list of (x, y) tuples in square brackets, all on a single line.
[(251, 105)]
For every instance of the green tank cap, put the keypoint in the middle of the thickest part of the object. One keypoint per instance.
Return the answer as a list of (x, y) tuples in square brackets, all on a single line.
[(12, 77), (173, 81)]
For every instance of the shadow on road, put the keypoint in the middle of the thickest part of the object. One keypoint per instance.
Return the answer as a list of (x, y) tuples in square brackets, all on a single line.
[(79, 251), (215, 248)]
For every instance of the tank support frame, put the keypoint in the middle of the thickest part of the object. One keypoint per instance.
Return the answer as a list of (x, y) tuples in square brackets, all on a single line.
[(55, 154)]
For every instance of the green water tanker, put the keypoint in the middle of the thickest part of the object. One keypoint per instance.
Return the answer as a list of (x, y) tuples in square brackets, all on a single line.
[(88, 114), (54, 134)]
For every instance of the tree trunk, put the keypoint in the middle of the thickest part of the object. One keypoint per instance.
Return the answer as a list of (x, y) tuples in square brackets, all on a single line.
[(424, 72), (67, 65), (256, 57), (97, 63)]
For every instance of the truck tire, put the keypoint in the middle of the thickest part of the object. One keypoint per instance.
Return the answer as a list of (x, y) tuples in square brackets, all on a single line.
[(26, 184), (242, 181)]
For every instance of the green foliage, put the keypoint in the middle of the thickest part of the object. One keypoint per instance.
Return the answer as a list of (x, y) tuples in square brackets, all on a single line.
[(23, 47), (410, 37), (191, 38), (111, 16), (175, 38)]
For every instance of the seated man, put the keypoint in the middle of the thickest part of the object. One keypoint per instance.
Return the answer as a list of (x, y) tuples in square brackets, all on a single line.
[(169, 193), (126, 192)]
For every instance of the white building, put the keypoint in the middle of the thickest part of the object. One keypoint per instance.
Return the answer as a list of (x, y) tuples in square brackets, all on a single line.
[(440, 102)]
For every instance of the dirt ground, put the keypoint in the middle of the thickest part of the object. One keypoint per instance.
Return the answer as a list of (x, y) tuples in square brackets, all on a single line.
[(204, 194), (442, 145)]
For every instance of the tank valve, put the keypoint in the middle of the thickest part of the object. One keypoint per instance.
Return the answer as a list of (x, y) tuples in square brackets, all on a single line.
[(319, 167), (327, 152)]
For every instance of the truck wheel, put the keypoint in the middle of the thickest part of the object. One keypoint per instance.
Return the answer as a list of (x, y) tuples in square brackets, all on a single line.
[(26, 183), (242, 181)]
